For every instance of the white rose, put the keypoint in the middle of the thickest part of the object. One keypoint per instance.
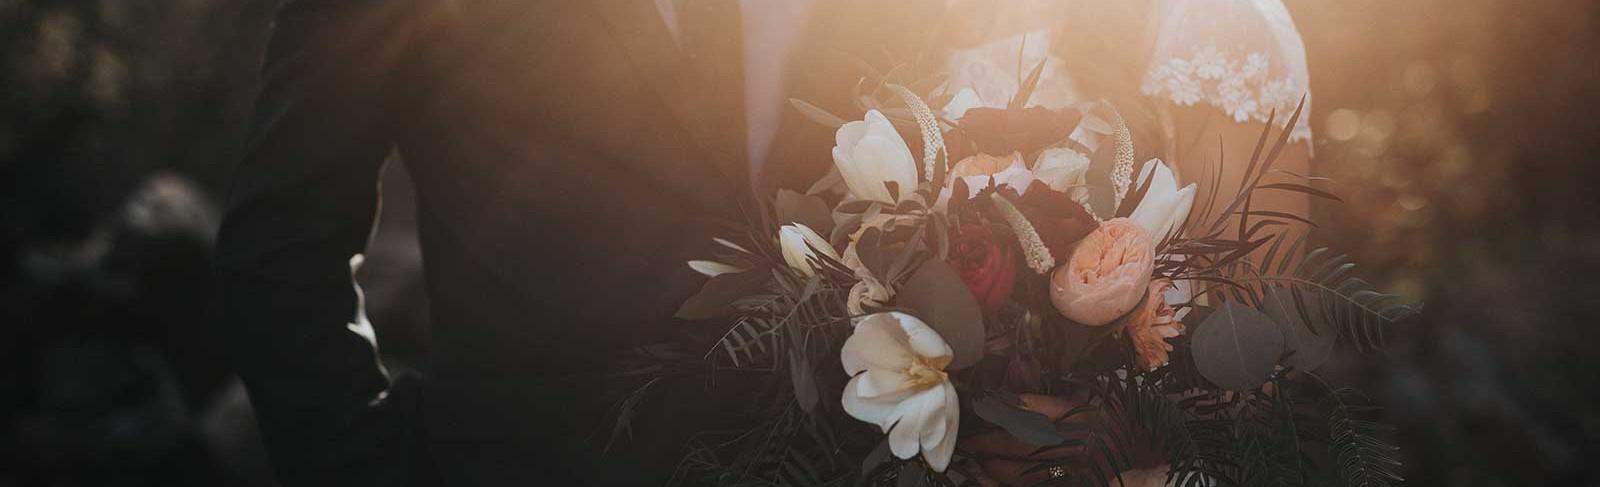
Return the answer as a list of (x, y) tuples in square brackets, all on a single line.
[(869, 153), (898, 382), (978, 169), (1164, 207), (1064, 170), (798, 241)]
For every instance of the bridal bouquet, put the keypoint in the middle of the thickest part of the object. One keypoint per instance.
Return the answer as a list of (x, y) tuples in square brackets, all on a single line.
[(909, 320)]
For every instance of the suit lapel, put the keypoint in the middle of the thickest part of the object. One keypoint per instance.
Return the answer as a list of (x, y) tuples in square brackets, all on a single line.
[(638, 27)]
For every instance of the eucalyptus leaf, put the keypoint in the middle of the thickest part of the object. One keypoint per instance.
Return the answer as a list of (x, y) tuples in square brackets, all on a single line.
[(936, 294), (1032, 428), (870, 249), (715, 299), (876, 458), (816, 113), (811, 211), (1237, 347), (805, 382), (1311, 347)]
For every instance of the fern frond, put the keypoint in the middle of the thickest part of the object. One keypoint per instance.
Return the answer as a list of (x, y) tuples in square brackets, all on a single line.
[(1324, 295), (1364, 458)]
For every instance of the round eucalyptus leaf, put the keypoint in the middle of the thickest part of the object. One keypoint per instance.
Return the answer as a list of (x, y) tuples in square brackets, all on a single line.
[(1310, 348), (1237, 347), (936, 295)]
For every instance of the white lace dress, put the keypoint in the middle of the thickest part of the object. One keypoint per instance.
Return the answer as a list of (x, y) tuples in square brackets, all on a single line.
[(1243, 57)]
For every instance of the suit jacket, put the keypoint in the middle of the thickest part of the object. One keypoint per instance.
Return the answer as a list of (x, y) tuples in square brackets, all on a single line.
[(567, 161)]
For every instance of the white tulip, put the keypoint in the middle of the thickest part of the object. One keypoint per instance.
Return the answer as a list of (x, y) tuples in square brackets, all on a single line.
[(798, 241), (1064, 170), (898, 382), (1164, 207), (869, 153)]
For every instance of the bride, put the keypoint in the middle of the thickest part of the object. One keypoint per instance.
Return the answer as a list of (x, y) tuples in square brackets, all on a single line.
[(1196, 80)]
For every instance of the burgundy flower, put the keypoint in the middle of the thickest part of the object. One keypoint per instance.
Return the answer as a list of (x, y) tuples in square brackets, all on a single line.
[(1060, 221), (988, 266), (999, 131)]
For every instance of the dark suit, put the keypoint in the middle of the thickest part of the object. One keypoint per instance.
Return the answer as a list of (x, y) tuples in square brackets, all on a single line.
[(567, 161)]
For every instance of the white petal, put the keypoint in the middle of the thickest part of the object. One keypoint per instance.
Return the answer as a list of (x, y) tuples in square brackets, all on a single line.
[(966, 99), (879, 125), (910, 418), (1016, 176), (875, 411), (1061, 168), (938, 455), (1153, 213), (880, 383), (879, 159), (849, 133), (816, 241), (713, 268), (1163, 183), (877, 343), (1180, 212), (795, 251), (726, 243), (922, 339)]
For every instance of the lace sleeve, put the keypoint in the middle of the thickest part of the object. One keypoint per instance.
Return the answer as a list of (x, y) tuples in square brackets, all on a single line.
[(1243, 57)]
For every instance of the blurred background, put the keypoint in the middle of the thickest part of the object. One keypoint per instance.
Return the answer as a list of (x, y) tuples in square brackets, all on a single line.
[(1462, 135)]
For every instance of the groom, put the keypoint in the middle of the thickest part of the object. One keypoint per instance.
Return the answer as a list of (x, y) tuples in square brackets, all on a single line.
[(569, 156)]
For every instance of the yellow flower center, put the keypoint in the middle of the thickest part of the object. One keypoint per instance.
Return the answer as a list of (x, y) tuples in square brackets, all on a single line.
[(926, 372)]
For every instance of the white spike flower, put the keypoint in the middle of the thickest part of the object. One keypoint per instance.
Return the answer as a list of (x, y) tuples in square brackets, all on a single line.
[(898, 382)]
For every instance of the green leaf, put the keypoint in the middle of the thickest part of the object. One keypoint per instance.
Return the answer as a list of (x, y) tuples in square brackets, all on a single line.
[(1310, 347), (1237, 347), (913, 474), (816, 113), (1032, 428), (811, 211), (877, 458), (717, 296), (805, 382), (936, 295)]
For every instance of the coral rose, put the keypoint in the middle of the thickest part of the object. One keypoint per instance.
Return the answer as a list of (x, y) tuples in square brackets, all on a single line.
[(1107, 274), (1151, 325)]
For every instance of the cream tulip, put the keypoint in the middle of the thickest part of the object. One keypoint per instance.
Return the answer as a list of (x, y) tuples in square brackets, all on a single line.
[(1164, 207), (898, 382), (869, 153), (800, 244)]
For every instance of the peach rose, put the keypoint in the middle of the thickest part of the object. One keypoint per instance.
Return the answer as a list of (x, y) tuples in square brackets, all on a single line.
[(1107, 274), (1151, 325)]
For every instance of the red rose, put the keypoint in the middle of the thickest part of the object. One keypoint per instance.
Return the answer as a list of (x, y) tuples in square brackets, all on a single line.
[(987, 267)]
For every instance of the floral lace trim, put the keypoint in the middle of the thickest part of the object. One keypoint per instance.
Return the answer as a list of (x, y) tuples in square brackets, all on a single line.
[(1242, 89)]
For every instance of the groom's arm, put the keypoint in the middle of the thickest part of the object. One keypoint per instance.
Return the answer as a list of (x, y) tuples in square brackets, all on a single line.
[(301, 203)]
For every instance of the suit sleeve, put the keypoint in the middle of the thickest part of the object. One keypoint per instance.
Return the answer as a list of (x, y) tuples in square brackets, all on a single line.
[(300, 204)]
